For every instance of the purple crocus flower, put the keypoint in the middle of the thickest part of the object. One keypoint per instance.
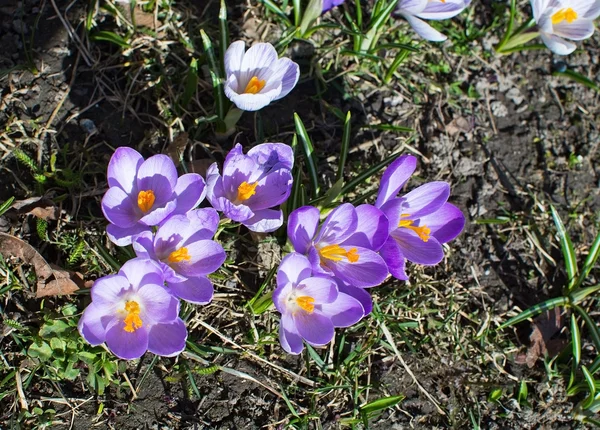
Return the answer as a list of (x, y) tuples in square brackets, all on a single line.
[(415, 11), (342, 246), (252, 184), (133, 313), (186, 253), (142, 194), (419, 222), (256, 77), (310, 306), (330, 4)]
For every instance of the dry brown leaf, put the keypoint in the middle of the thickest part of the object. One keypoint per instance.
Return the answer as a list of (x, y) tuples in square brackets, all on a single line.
[(544, 327), (143, 19), (176, 148), (50, 281), (40, 207), (459, 125)]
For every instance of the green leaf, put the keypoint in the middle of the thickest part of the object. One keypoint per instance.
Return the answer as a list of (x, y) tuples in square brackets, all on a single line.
[(589, 379), (215, 74), (535, 310), (567, 249), (40, 350), (57, 344), (109, 36), (271, 6), (191, 83), (53, 328), (223, 33), (312, 12), (6, 205), (258, 304), (87, 357), (332, 194), (523, 392), (309, 155), (576, 340), (345, 147), (381, 404), (495, 395), (592, 327), (262, 304), (579, 296), (577, 77), (589, 263)]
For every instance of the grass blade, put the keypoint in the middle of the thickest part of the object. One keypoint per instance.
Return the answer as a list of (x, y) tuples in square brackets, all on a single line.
[(368, 173), (309, 155), (576, 340), (589, 379), (215, 75), (345, 146), (578, 77), (567, 249), (590, 261), (272, 7), (535, 310), (591, 326), (381, 404), (6, 205), (191, 84), (223, 33)]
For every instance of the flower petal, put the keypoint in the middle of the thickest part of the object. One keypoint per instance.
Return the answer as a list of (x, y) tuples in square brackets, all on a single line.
[(321, 289), (234, 56), (370, 269), (206, 256), (139, 271), (446, 223), (426, 199), (393, 257), (143, 245), (238, 213), (372, 229), (265, 220), (167, 339), (204, 223), (124, 344), (417, 251), (272, 190), (302, 227), (441, 10), (577, 30), (93, 323), (259, 56), (123, 236), (171, 235), (359, 294), (293, 269), (158, 173), (288, 73), (315, 328), (249, 102), (198, 290), (119, 209), (159, 214), (190, 191), (273, 156), (289, 338), (123, 168), (395, 177), (344, 311), (107, 291), (338, 226), (557, 45), (157, 305), (424, 30)]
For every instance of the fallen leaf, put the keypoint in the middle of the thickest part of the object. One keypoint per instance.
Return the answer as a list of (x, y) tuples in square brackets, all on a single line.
[(543, 329), (40, 207), (51, 281), (459, 125)]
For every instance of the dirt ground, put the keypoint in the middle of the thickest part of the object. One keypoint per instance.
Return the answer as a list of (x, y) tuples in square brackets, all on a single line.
[(522, 140)]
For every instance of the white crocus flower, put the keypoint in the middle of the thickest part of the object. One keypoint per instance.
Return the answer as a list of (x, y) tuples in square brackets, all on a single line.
[(558, 20), (257, 77), (415, 11)]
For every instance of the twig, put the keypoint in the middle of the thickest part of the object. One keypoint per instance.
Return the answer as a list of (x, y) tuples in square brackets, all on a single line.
[(390, 340), (20, 391), (130, 386)]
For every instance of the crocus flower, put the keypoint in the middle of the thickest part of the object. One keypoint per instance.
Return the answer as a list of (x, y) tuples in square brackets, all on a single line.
[(330, 4), (133, 313), (252, 184), (415, 11), (257, 77), (310, 306), (341, 247), (185, 251), (419, 222), (558, 20), (142, 194)]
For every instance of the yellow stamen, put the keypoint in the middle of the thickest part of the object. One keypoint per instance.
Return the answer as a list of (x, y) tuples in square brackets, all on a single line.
[(145, 200), (132, 320), (255, 85), (566, 14), (422, 230), (337, 253), (246, 190), (179, 255), (306, 303)]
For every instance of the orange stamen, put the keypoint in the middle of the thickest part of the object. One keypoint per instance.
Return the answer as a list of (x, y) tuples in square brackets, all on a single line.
[(306, 303), (145, 200), (255, 85), (567, 14), (246, 190), (132, 320), (179, 255), (337, 253), (422, 230)]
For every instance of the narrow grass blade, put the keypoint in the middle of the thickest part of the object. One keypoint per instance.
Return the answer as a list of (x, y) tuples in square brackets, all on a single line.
[(331, 195), (297, 12), (359, 17), (576, 340), (579, 296), (345, 146), (309, 155), (589, 379), (381, 404), (535, 310), (578, 77), (590, 325), (215, 75), (272, 7), (567, 249), (400, 57), (223, 33), (191, 84), (590, 261), (368, 173), (258, 304), (311, 13), (389, 127), (292, 203), (109, 36), (6, 205)]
